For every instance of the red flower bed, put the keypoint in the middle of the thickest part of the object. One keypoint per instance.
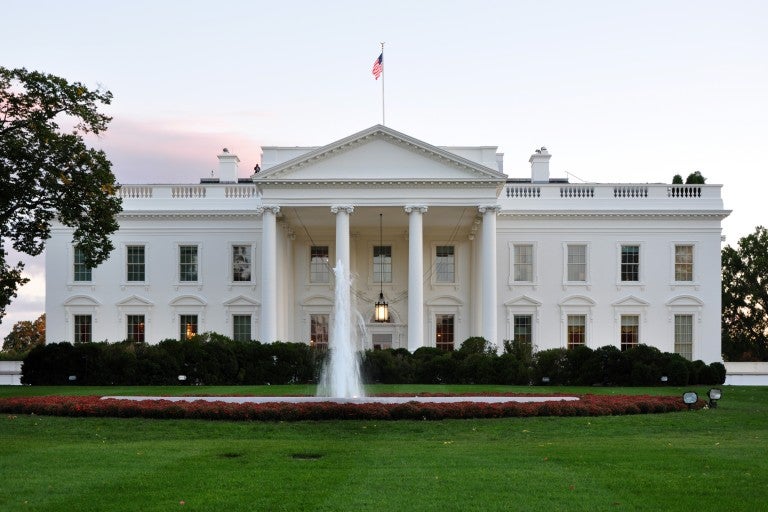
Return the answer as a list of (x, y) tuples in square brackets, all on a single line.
[(588, 405)]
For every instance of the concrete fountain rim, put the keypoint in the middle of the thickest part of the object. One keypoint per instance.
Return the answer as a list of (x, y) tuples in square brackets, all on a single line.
[(355, 400)]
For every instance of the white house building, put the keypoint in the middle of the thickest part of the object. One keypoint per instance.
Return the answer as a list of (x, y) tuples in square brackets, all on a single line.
[(457, 248)]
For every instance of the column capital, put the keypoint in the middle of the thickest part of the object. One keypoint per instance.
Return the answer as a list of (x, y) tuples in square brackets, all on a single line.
[(489, 208), (270, 208), (347, 208), (419, 208)]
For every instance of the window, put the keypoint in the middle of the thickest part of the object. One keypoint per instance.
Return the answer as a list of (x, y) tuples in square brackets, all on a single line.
[(382, 263), (630, 331), (381, 341), (523, 263), (135, 328), (683, 263), (83, 329), (444, 332), (684, 336), (523, 329), (318, 335), (577, 263), (241, 263), (135, 258), (577, 330), (445, 264), (630, 263), (319, 270), (187, 263), (81, 271), (241, 327), (187, 326)]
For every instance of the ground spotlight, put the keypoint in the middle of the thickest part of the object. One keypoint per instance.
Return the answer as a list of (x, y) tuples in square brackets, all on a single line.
[(714, 395), (690, 398), (182, 378)]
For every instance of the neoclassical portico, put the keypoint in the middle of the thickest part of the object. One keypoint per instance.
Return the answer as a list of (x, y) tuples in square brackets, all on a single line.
[(429, 198)]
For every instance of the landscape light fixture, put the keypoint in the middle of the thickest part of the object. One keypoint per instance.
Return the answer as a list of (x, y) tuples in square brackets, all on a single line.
[(690, 398), (714, 395), (381, 309), (72, 378), (182, 378)]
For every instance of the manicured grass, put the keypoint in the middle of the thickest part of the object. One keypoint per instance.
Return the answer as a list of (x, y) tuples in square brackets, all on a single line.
[(702, 460)]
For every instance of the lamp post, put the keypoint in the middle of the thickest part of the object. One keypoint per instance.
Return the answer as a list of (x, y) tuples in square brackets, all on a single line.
[(381, 309)]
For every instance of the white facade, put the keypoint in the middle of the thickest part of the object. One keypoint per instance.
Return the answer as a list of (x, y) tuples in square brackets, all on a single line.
[(464, 251)]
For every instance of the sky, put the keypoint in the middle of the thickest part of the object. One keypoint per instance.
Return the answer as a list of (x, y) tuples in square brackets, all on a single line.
[(631, 91)]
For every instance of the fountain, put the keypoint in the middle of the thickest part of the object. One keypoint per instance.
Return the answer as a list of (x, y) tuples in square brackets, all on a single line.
[(341, 373)]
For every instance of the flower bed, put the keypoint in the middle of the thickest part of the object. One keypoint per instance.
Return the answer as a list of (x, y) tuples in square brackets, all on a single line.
[(587, 405)]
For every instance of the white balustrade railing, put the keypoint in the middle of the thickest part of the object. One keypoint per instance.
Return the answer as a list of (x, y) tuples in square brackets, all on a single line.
[(186, 192)]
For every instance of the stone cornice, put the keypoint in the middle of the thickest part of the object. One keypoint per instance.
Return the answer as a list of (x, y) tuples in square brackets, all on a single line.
[(188, 214), (395, 183)]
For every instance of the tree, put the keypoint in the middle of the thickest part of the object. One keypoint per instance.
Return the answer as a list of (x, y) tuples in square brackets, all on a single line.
[(695, 178), (48, 172), (25, 335), (677, 179), (745, 298)]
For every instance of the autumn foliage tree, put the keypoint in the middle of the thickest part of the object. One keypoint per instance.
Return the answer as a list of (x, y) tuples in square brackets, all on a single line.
[(49, 173), (745, 298), (25, 335)]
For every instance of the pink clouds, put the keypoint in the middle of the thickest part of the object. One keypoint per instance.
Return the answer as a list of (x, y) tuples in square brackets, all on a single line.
[(146, 152)]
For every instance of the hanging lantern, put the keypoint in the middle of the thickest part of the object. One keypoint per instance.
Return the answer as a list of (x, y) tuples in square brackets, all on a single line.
[(381, 309)]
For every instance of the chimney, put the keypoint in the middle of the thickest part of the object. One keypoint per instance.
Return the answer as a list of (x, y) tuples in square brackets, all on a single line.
[(227, 167), (540, 165)]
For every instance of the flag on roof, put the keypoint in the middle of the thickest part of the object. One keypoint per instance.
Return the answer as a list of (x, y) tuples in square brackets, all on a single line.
[(378, 66)]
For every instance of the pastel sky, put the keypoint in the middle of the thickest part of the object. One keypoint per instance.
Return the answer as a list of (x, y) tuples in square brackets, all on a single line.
[(630, 91)]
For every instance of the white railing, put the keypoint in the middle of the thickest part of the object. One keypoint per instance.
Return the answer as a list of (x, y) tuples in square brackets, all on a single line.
[(610, 195), (188, 192)]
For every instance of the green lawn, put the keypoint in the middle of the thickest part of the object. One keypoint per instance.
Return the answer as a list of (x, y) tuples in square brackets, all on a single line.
[(704, 460)]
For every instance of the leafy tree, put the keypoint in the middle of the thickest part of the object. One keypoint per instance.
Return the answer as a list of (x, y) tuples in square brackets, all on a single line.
[(677, 179), (745, 298), (25, 335), (49, 173), (695, 178)]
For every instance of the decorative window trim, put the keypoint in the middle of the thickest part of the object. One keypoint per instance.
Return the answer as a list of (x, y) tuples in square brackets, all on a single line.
[(242, 305), (433, 256), (640, 283), (136, 305), (629, 305), (230, 266), (199, 283), (315, 305), (372, 279), (71, 283), (693, 284), (684, 305), (522, 305), (331, 258), (534, 266), (444, 305), (124, 282), (587, 283), (576, 305)]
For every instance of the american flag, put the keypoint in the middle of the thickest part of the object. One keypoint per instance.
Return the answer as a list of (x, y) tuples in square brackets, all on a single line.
[(378, 66)]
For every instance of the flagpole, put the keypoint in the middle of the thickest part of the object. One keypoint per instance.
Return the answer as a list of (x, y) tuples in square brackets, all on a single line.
[(383, 119)]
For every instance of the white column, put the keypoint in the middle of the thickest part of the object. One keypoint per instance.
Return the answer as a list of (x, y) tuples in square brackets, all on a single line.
[(415, 277), (342, 213), (268, 273), (488, 259)]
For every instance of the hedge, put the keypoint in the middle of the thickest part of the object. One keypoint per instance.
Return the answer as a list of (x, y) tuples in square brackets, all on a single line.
[(212, 359)]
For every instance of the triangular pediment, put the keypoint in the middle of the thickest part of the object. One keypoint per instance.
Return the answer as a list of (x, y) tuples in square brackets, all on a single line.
[(522, 301), (379, 154), (242, 300), (81, 300), (135, 300), (630, 301), (189, 300)]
